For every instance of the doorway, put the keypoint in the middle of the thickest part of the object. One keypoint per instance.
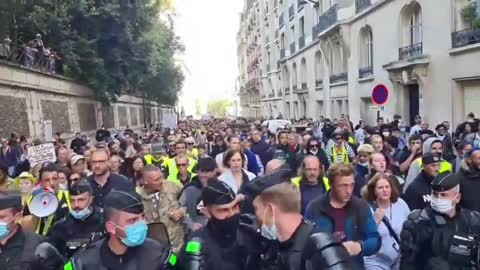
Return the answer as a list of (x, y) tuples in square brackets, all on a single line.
[(414, 102)]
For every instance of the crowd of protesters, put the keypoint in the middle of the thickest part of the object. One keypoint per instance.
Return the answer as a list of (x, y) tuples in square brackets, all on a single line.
[(358, 183)]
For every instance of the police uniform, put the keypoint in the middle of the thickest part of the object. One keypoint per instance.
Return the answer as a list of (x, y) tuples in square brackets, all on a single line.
[(149, 255), (221, 244), (158, 207), (18, 251), (308, 248), (427, 235), (70, 234)]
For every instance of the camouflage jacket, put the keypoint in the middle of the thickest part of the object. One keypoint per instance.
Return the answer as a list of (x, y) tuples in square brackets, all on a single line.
[(158, 207)]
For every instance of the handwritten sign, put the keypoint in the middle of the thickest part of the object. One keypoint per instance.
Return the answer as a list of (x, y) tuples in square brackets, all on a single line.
[(169, 120), (41, 153)]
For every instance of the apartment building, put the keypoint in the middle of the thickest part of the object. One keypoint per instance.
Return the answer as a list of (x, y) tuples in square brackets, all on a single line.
[(323, 58)]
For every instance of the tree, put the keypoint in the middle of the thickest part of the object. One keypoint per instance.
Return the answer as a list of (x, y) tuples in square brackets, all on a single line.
[(113, 46), (219, 107)]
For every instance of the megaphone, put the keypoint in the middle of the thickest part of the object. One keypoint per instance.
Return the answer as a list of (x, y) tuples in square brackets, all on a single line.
[(43, 204)]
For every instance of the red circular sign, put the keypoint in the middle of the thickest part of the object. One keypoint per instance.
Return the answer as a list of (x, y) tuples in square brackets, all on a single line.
[(380, 94)]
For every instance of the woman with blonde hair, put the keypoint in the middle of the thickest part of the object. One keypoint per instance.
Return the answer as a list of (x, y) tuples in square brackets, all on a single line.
[(390, 212), (25, 183)]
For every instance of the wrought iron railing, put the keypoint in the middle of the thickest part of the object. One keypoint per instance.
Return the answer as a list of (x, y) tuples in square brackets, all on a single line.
[(340, 77), (410, 51), (365, 72), (326, 20), (318, 82), (300, 4), (465, 37), (362, 4)]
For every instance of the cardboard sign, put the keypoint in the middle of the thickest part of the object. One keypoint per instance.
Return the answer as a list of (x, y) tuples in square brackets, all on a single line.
[(169, 120), (41, 153)]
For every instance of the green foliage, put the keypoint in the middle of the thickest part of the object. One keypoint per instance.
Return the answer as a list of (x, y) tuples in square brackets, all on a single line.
[(219, 107), (114, 46)]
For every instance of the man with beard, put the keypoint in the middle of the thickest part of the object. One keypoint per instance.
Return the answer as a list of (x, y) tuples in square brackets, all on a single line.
[(282, 150), (221, 244), (469, 175), (103, 181)]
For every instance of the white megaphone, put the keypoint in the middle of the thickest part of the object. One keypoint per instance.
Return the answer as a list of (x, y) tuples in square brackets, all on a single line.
[(43, 204)]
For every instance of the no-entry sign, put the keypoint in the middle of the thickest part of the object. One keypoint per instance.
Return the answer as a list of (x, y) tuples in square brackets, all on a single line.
[(380, 94)]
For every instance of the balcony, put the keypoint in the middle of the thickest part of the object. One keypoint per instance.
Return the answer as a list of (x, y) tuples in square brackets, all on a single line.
[(291, 12), (318, 83), (362, 4), (338, 78), (327, 19), (304, 86), (365, 72), (281, 20), (282, 53), (301, 42), (300, 4), (410, 51), (465, 37), (271, 95), (292, 48)]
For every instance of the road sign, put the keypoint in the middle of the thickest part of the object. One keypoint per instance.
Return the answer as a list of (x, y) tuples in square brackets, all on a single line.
[(377, 108), (380, 94)]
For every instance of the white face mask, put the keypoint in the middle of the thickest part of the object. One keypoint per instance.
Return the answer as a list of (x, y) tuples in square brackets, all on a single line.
[(442, 205)]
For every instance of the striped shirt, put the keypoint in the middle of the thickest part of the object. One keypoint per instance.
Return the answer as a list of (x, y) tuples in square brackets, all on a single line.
[(340, 154)]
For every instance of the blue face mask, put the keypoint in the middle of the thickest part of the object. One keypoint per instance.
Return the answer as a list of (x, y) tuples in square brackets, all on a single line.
[(4, 230), (82, 214), (269, 232), (136, 234)]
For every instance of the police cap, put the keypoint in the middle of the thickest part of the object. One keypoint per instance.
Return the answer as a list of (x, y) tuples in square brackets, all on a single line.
[(10, 199), (80, 187), (430, 158), (217, 193), (445, 181), (126, 201), (259, 184)]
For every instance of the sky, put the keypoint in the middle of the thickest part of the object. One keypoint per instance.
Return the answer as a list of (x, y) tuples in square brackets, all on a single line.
[(208, 28)]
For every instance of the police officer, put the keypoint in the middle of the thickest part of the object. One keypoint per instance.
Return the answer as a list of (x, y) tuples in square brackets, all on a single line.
[(126, 246), (83, 224), (221, 244), (18, 247), (297, 243), (437, 237)]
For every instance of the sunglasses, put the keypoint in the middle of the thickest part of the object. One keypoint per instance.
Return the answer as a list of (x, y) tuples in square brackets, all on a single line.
[(314, 145), (182, 164), (338, 138), (74, 179), (190, 143)]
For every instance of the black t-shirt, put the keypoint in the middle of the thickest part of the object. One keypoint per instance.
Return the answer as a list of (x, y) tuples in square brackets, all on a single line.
[(114, 181)]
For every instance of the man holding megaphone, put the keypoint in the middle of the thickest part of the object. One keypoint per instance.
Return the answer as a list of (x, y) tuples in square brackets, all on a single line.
[(48, 203), (81, 226), (21, 250)]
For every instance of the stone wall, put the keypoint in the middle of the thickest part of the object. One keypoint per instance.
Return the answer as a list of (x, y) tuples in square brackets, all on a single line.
[(29, 97)]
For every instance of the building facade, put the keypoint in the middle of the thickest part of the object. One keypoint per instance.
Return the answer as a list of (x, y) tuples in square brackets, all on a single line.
[(312, 58)]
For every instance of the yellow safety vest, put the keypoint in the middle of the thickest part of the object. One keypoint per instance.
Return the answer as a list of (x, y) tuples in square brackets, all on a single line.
[(49, 220), (445, 166), (171, 166), (150, 159), (344, 154), (296, 181), (194, 153), (352, 140), (177, 181)]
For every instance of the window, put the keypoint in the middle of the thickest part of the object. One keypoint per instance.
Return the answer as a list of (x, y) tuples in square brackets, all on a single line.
[(286, 79), (282, 41), (302, 26), (303, 73), (366, 52), (295, 110), (287, 110), (294, 76), (292, 31), (411, 34), (318, 69)]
